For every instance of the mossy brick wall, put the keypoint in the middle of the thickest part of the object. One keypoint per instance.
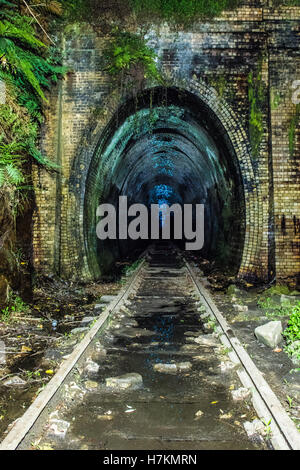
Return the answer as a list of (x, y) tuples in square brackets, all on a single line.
[(226, 50)]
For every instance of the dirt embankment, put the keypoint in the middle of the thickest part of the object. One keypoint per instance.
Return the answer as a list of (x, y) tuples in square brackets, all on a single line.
[(36, 337), (7, 244), (15, 245)]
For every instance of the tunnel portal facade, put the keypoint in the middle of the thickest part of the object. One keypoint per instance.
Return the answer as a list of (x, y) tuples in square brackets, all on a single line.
[(185, 142)]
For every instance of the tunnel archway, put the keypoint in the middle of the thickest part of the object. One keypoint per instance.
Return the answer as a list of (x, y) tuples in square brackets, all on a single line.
[(170, 144)]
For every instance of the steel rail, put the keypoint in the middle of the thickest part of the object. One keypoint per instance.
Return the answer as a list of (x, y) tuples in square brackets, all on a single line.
[(25, 424), (285, 435)]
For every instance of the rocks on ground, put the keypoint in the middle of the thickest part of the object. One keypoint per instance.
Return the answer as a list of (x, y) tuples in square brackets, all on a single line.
[(106, 299), (269, 334), (130, 332), (172, 368), (99, 352), (205, 315), (14, 381), (289, 299), (58, 428), (227, 366), (124, 382), (100, 306), (73, 391), (77, 331), (91, 385), (91, 368), (240, 394), (207, 341), (86, 321), (254, 428), (240, 308)]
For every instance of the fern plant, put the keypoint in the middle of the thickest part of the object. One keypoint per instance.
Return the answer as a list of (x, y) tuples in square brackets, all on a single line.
[(28, 67), (128, 55)]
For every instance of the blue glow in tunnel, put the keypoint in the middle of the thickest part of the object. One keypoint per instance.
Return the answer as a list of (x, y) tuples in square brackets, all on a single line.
[(183, 156), (163, 165), (162, 194)]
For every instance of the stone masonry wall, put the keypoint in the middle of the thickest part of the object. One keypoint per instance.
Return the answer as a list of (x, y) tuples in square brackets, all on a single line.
[(224, 50)]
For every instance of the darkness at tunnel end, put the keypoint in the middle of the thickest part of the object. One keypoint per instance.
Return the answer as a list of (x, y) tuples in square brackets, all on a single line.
[(167, 145)]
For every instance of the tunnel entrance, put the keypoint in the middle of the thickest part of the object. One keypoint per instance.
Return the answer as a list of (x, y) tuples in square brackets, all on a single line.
[(166, 146)]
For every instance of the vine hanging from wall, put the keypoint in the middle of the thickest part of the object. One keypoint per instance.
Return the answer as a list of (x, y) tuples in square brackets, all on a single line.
[(257, 103)]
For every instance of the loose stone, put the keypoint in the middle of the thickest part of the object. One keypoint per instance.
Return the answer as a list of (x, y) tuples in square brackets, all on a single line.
[(126, 381), (240, 394), (269, 334)]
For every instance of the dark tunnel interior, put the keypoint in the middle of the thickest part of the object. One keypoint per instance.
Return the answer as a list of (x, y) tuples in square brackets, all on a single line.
[(166, 146)]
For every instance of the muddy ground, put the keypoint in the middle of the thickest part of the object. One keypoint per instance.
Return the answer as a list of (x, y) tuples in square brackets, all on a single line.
[(282, 373), (38, 340)]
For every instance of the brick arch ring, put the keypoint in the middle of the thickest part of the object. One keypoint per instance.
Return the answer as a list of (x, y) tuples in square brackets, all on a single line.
[(90, 156)]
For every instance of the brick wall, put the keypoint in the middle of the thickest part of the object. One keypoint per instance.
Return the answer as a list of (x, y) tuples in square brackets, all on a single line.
[(227, 48)]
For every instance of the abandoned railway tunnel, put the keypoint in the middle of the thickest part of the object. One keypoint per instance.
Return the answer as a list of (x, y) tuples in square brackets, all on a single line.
[(216, 124), (178, 153)]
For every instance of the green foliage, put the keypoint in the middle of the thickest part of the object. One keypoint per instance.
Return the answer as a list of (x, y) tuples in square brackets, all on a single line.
[(128, 270), (127, 54), (27, 67), (266, 303), (275, 99), (279, 311), (276, 307), (287, 3), (32, 374), (18, 45), (277, 290), (182, 11), (132, 267), (292, 129), (257, 102), (16, 305), (220, 84), (268, 429), (292, 333)]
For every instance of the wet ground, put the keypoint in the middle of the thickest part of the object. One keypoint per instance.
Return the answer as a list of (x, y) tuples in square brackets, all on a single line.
[(35, 347), (281, 373), (184, 400)]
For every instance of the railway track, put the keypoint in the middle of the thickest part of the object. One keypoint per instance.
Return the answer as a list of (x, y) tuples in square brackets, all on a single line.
[(159, 369)]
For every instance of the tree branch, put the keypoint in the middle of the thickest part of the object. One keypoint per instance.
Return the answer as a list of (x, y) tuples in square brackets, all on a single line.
[(32, 14)]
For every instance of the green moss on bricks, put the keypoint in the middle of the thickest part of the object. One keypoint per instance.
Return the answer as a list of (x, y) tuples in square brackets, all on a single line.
[(286, 3), (257, 102), (183, 11), (275, 99), (222, 85)]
